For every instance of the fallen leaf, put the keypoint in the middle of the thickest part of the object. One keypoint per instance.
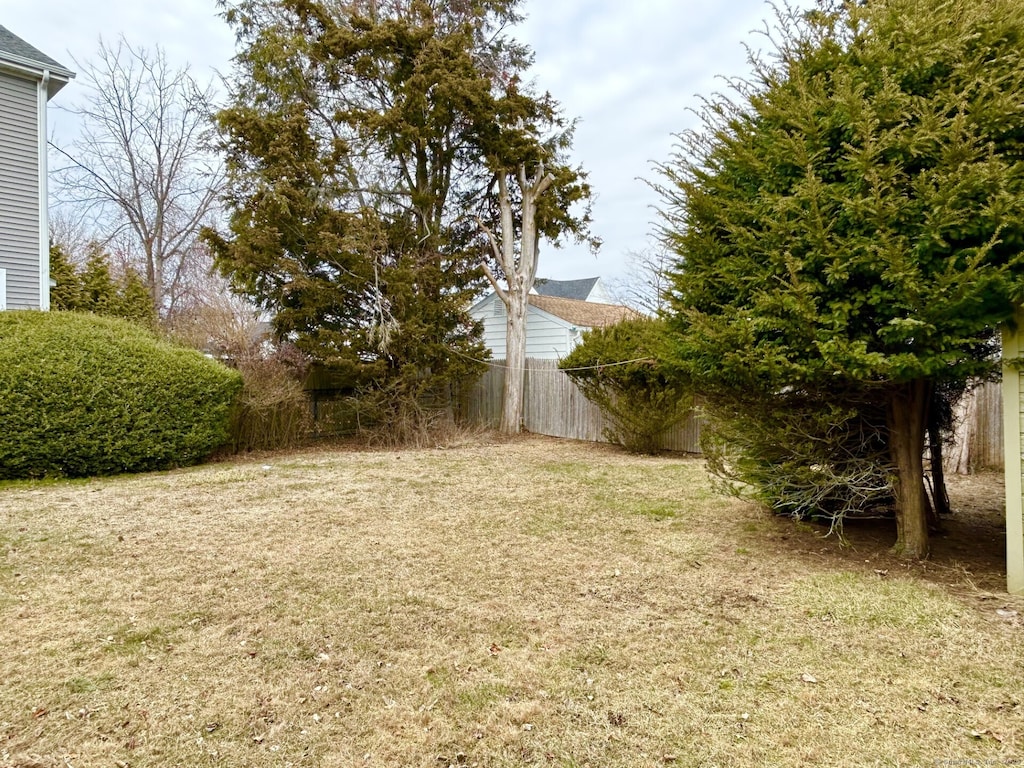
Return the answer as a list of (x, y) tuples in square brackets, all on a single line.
[(495, 649), (808, 678), (617, 719)]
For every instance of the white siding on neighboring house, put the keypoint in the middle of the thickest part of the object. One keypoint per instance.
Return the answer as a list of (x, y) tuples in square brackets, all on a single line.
[(554, 324), (547, 337), (19, 191), (492, 315), (599, 295), (3, 289)]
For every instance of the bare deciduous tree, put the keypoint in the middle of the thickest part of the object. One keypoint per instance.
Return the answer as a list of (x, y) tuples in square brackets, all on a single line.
[(645, 285), (69, 233), (140, 169), (222, 323), (520, 267)]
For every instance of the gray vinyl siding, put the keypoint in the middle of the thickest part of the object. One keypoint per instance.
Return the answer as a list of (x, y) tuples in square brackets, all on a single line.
[(19, 190)]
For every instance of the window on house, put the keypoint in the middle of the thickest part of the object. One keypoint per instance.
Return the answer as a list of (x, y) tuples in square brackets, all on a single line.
[(499, 307)]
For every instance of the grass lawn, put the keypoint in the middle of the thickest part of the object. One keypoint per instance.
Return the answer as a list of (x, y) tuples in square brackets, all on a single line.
[(533, 603)]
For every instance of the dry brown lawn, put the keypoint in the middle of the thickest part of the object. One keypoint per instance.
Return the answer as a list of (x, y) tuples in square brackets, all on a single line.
[(530, 603)]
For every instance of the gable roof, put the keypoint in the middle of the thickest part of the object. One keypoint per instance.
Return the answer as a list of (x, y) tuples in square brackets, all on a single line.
[(566, 289), (587, 314), (20, 56)]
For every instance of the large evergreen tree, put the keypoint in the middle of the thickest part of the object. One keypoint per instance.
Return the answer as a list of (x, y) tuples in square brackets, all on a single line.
[(849, 226), (345, 138), (359, 142)]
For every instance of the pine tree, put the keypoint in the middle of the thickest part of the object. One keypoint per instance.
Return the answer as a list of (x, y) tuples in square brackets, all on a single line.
[(849, 230), (93, 288)]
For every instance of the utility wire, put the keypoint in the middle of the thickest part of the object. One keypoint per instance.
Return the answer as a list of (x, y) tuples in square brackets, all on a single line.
[(565, 370)]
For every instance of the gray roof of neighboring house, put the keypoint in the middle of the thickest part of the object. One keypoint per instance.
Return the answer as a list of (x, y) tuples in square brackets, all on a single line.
[(14, 50), (566, 289)]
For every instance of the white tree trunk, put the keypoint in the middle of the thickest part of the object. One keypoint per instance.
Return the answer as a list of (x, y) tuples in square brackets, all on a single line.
[(515, 358), (520, 268)]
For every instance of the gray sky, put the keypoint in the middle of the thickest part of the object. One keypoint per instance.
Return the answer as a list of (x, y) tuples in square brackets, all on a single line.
[(628, 71)]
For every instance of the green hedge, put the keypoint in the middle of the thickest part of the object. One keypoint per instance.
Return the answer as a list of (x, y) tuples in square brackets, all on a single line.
[(84, 395)]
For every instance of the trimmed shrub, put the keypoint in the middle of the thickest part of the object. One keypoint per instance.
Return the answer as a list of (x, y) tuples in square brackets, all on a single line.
[(83, 395), (619, 369)]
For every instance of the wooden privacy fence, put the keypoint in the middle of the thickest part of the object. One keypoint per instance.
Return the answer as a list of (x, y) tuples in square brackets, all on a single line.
[(978, 440), (553, 405)]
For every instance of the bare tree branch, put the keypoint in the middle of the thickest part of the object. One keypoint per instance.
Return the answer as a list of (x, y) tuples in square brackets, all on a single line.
[(141, 170)]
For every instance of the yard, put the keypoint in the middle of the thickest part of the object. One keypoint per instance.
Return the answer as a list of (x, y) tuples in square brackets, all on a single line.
[(538, 602)]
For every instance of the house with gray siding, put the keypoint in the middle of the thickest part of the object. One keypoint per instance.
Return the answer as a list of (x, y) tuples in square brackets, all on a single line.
[(28, 80)]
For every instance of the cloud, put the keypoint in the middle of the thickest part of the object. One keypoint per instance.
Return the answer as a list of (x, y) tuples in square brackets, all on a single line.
[(189, 30), (630, 72)]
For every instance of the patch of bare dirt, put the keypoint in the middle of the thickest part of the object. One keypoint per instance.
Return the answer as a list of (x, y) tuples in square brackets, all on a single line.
[(969, 551)]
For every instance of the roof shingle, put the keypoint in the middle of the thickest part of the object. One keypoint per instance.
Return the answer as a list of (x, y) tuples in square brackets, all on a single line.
[(566, 289), (17, 51), (587, 314)]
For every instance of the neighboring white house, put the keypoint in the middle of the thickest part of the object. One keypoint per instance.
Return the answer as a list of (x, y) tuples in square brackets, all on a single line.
[(28, 79), (554, 325)]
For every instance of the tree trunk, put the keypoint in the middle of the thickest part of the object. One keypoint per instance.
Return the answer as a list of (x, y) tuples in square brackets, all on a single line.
[(515, 362), (908, 419), (520, 272)]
